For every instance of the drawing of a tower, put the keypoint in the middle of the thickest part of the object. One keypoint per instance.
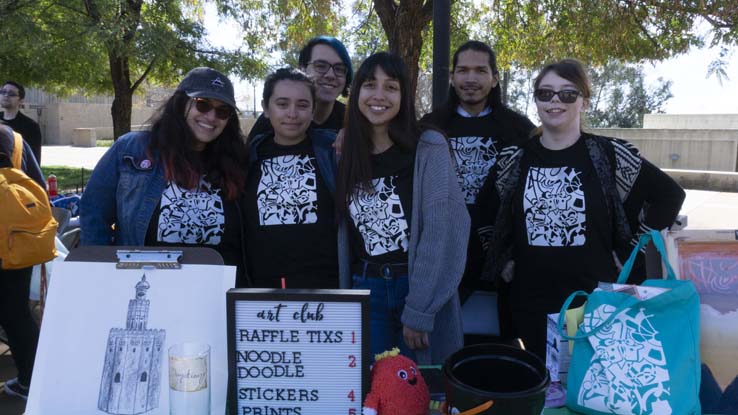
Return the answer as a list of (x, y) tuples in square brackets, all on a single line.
[(130, 382)]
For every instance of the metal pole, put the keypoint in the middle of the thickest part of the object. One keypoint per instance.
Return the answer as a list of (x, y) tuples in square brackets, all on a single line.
[(441, 50), (254, 99)]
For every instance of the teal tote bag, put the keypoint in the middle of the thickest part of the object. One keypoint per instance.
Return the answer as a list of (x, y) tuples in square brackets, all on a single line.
[(637, 356)]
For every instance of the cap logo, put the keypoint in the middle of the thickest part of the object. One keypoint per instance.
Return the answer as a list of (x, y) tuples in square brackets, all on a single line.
[(217, 82)]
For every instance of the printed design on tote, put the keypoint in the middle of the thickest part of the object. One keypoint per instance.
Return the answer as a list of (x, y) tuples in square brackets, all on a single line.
[(287, 192), (379, 217), (554, 207), (193, 217), (628, 372), (475, 156)]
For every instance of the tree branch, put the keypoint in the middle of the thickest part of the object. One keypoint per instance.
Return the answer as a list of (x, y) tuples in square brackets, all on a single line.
[(144, 75)]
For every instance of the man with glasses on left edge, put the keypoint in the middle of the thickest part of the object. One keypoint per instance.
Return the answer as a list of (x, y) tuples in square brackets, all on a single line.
[(12, 95), (326, 61)]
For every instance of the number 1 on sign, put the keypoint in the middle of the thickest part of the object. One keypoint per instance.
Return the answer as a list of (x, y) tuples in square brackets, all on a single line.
[(353, 334)]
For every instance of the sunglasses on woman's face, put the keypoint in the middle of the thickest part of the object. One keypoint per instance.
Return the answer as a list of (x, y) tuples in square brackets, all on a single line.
[(204, 106), (567, 96)]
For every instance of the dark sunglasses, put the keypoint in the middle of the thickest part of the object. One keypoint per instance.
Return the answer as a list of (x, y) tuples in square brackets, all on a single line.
[(204, 106), (322, 67), (567, 96), (8, 93)]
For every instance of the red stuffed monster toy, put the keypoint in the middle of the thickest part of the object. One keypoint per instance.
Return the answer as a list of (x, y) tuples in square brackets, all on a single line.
[(398, 388)]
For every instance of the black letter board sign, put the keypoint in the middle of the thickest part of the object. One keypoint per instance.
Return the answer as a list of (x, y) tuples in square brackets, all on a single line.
[(298, 352)]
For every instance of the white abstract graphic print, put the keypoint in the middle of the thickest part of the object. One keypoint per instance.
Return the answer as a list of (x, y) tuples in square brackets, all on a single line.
[(287, 192), (191, 216), (475, 156), (628, 373), (379, 217), (553, 203)]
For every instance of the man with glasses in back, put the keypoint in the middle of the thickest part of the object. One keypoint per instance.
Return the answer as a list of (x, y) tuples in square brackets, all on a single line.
[(326, 61), (11, 100)]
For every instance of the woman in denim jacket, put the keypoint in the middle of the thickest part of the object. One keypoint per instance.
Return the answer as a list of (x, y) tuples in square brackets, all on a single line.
[(178, 184)]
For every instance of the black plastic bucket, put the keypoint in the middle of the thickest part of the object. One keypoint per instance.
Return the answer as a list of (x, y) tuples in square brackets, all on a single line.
[(514, 379)]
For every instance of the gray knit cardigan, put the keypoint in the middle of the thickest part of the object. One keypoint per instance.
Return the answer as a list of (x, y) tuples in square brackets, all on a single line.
[(439, 233)]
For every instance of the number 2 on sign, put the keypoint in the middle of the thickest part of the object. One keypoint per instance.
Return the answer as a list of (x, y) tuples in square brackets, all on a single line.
[(352, 360)]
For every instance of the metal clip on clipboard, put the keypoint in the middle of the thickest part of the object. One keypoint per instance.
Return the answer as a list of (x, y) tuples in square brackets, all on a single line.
[(136, 259)]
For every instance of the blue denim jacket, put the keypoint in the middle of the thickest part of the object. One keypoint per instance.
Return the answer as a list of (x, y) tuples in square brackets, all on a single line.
[(124, 190), (325, 155)]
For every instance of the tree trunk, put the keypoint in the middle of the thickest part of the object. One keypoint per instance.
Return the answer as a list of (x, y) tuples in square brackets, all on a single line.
[(505, 86), (123, 98), (404, 23)]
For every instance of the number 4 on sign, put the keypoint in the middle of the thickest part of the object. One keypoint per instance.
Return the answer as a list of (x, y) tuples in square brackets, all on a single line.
[(351, 396)]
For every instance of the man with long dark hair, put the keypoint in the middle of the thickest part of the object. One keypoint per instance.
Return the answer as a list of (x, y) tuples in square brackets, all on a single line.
[(326, 61), (478, 125)]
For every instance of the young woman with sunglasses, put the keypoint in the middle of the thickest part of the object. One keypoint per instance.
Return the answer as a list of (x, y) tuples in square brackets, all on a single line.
[(405, 222), (559, 208), (290, 210), (179, 183)]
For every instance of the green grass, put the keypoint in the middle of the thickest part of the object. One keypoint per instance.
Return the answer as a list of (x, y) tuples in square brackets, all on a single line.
[(68, 179), (104, 143)]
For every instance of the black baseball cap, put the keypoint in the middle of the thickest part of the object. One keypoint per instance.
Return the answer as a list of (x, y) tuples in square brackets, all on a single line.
[(204, 82)]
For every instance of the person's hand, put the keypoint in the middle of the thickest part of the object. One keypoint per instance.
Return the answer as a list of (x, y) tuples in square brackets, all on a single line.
[(338, 144), (508, 271), (415, 339)]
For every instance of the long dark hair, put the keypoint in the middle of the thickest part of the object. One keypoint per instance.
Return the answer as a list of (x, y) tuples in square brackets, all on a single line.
[(355, 167), (494, 99), (223, 159)]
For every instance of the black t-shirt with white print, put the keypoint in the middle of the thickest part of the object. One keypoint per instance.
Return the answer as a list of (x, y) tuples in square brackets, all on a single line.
[(197, 217), (290, 219), (380, 217), (475, 142), (563, 234)]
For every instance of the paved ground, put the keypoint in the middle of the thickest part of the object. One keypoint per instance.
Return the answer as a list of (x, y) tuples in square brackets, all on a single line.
[(72, 156), (705, 210)]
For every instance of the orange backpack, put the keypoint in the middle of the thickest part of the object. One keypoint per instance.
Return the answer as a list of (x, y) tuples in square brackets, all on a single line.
[(27, 227)]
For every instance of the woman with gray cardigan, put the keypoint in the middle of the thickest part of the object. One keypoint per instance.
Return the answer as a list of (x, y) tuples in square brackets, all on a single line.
[(405, 225)]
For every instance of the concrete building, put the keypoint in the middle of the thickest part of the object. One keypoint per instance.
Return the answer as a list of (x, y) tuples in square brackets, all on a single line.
[(685, 142)]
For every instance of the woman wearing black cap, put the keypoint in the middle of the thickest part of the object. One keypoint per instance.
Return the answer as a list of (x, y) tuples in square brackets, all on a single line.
[(179, 183)]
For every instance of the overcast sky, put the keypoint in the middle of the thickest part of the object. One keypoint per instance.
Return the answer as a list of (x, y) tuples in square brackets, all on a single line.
[(693, 93)]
